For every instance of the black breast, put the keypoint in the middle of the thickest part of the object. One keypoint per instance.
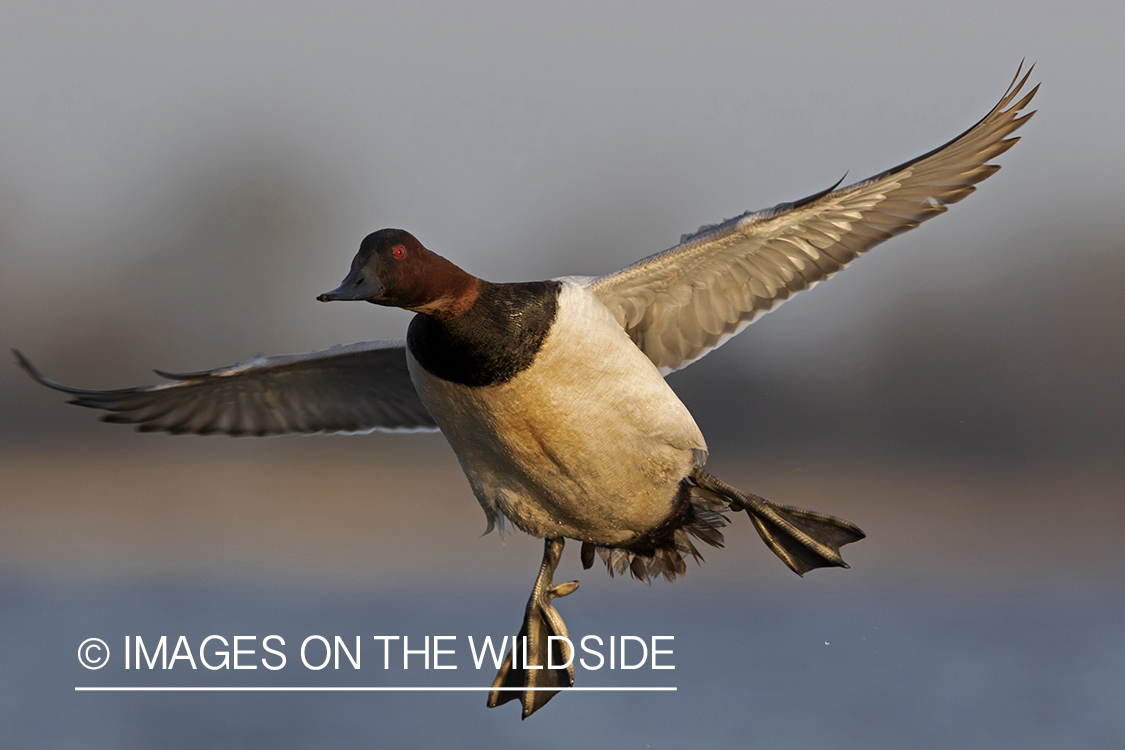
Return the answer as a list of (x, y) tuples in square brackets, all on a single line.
[(491, 343)]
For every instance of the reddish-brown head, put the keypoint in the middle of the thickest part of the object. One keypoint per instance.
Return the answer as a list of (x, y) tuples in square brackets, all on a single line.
[(393, 268)]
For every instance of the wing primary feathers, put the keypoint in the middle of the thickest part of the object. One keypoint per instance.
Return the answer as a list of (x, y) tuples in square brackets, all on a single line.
[(748, 265)]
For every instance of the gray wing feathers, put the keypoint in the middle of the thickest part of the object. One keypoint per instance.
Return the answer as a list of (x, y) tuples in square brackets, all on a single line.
[(355, 388), (682, 303)]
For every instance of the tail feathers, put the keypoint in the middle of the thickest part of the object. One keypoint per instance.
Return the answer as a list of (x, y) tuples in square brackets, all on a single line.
[(803, 539), (664, 550)]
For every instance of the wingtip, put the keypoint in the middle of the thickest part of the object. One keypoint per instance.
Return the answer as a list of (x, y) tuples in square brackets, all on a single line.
[(29, 368), (1016, 86), (42, 379), (1020, 70)]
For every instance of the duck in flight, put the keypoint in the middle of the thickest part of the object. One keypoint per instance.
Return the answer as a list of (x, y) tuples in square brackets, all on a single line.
[(552, 393)]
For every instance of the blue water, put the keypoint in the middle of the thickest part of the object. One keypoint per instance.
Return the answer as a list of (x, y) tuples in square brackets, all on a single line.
[(887, 668)]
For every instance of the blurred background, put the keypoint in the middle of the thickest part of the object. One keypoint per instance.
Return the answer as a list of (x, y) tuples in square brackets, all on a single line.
[(179, 182)]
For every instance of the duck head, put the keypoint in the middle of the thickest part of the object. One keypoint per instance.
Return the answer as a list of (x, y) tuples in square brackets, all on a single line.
[(393, 268)]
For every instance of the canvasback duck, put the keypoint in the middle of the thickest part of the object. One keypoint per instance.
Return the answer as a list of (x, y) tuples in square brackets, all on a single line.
[(552, 393)]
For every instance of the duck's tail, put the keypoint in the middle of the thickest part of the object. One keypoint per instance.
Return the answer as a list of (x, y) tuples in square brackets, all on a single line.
[(803, 539), (663, 551)]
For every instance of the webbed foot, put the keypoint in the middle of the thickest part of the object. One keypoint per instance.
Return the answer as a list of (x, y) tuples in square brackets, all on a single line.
[(538, 666), (803, 539)]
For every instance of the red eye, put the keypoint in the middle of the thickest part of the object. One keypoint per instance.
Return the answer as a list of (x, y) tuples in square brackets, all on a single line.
[(399, 251)]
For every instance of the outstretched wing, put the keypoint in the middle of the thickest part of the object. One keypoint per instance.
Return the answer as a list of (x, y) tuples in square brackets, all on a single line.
[(355, 388), (682, 303)]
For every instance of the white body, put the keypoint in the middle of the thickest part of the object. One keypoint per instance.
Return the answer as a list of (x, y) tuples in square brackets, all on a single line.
[(588, 443)]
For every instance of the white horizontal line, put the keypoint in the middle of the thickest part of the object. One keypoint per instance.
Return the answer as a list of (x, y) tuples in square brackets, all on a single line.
[(296, 689)]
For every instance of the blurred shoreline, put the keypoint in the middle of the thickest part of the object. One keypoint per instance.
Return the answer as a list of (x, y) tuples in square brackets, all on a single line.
[(397, 510)]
